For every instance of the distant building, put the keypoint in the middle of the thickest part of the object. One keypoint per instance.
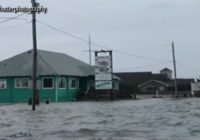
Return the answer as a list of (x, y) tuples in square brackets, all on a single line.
[(166, 87), (150, 83), (60, 77), (153, 87)]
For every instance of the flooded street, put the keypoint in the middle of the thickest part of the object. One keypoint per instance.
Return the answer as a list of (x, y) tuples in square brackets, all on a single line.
[(149, 119)]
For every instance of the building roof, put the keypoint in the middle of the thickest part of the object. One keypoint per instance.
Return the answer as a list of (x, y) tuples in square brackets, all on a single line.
[(153, 81), (169, 83), (49, 63), (137, 78)]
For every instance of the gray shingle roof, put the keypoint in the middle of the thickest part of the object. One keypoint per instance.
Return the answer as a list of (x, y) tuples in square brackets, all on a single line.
[(49, 63)]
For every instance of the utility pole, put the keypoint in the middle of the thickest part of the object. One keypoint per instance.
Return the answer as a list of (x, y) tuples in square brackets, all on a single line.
[(90, 51), (34, 86), (175, 76)]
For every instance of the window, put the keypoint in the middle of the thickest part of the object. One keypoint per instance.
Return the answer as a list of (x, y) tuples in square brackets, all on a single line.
[(72, 83), (21, 83), (3, 84), (47, 83), (61, 83)]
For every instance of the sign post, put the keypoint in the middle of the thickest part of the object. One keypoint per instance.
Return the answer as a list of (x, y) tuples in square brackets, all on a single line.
[(104, 71)]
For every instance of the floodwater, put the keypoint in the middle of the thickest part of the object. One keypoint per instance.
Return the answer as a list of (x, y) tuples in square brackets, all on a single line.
[(148, 119)]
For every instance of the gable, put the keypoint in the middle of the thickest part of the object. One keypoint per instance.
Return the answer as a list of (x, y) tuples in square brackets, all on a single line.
[(153, 82)]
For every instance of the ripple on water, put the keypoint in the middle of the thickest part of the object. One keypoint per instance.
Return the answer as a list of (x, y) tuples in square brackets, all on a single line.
[(35, 121), (4, 125), (2, 112), (83, 132), (73, 118), (21, 135), (109, 116), (87, 131), (103, 122), (196, 114), (57, 134), (68, 123), (99, 113), (195, 132)]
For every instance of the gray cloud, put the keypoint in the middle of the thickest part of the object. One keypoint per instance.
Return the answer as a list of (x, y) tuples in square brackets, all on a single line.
[(144, 28)]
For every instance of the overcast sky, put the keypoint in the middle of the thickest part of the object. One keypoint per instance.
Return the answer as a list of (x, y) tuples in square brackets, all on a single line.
[(144, 28)]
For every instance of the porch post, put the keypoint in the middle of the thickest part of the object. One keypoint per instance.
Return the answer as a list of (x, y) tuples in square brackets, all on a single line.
[(56, 82)]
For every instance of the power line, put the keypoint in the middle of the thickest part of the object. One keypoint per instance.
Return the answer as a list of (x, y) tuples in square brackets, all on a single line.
[(143, 66), (197, 72), (63, 32), (80, 19), (130, 54), (101, 46), (98, 45), (24, 19), (11, 18), (10, 27), (189, 68)]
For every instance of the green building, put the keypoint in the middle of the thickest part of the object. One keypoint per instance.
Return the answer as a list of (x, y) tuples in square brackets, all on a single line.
[(60, 77)]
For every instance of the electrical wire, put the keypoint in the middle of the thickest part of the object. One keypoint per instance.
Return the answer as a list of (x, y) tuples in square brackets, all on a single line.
[(24, 19), (98, 45), (150, 65), (13, 26), (8, 19), (63, 32), (189, 68), (101, 46)]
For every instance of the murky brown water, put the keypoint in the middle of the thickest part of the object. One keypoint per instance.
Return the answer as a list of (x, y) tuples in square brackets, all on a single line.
[(149, 119)]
